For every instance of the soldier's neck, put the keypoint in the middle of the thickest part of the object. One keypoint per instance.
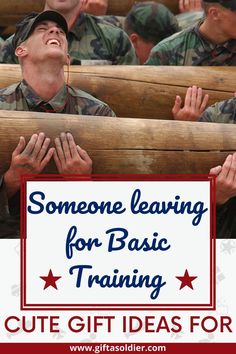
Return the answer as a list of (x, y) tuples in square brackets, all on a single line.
[(213, 32), (46, 83)]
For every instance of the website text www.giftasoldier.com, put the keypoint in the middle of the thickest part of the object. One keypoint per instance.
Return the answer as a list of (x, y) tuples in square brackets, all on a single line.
[(118, 348)]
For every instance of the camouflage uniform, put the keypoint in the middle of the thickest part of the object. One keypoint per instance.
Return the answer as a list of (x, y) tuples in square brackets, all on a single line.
[(190, 47), (20, 97), (117, 21), (189, 18), (91, 41), (223, 112)]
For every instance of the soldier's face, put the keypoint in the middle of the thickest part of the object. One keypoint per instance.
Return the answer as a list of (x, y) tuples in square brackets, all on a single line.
[(228, 23), (62, 5), (47, 40)]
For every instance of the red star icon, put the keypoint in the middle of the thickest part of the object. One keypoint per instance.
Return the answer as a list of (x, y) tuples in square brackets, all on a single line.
[(50, 280), (186, 280)]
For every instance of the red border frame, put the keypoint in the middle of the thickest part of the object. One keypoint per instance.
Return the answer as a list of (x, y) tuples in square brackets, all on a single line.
[(107, 307)]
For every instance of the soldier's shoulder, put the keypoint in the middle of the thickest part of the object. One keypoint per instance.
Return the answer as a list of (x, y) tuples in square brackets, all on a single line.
[(103, 25), (176, 39), (80, 94), (7, 91)]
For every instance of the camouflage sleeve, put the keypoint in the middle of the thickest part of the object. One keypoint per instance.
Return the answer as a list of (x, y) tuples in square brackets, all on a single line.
[(220, 112), (104, 110), (124, 50), (7, 53)]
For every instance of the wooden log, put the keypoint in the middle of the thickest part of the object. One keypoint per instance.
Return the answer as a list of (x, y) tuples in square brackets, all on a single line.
[(126, 145), (122, 7), (141, 91), (20, 6), (12, 11)]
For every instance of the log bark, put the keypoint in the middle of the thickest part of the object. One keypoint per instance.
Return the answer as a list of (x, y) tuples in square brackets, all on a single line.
[(126, 145), (141, 91), (122, 7)]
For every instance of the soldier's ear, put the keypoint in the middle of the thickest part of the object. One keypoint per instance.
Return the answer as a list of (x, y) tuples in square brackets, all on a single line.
[(21, 51), (134, 39)]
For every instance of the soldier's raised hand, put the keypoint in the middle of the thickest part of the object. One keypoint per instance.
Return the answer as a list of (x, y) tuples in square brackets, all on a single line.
[(194, 105)]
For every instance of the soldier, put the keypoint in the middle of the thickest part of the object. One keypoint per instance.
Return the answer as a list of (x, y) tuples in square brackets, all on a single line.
[(147, 24), (91, 40), (221, 112), (210, 42), (41, 47)]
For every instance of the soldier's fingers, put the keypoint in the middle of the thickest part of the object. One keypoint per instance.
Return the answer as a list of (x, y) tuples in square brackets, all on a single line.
[(65, 146), (232, 173), (47, 158), (57, 161), (199, 97), (177, 105), (188, 97), (20, 147), (226, 167), (194, 97), (215, 170), (204, 103), (31, 144), (181, 6), (43, 149), (59, 150), (72, 145), (38, 144), (83, 154)]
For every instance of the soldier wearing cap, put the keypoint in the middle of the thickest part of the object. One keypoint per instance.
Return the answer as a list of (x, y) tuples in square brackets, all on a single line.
[(91, 40), (211, 42), (147, 24), (41, 46)]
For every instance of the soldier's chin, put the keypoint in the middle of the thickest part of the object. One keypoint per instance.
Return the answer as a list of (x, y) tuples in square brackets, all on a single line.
[(56, 53)]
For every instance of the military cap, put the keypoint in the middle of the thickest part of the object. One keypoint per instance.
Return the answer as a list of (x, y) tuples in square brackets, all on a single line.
[(152, 21), (229, 4), (26, 27)]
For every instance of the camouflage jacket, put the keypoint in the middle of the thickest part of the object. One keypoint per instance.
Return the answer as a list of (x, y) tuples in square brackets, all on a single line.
[(190, 47), (221, 112), (20, 97), (91, 41)]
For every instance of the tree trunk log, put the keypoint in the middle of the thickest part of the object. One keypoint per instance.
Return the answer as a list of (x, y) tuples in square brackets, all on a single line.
[(126, 145), (142, 91)]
